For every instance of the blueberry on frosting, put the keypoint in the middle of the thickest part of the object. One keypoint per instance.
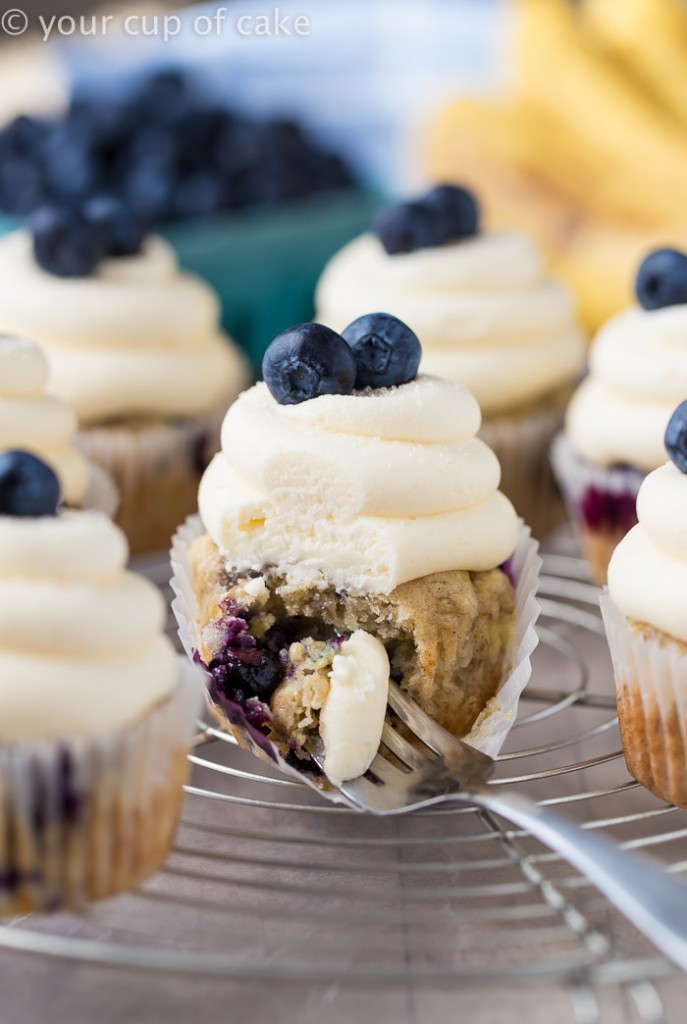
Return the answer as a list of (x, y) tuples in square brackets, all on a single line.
[(447, 213), (457, 211), (405, 227), (662, 279), (122, 229), (28, 487), (676, 437), (307, 361), (65, 243), (387, 353)]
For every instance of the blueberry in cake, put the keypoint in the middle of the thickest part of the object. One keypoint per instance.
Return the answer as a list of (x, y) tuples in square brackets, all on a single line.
[(355, 533)]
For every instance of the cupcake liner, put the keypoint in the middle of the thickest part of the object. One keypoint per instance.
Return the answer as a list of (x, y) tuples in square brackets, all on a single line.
[(521, 443), (491, 728), (101, 494), (650, 671), (601, 502), (81, 820), (156, 468)]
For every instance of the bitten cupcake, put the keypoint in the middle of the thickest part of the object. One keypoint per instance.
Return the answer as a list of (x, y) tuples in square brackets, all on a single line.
[(645, 613), (489, 317), (134, 347), (617, 418), (355, 532), (96, 710)]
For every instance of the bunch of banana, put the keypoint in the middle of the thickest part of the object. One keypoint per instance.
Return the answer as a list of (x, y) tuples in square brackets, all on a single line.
[(589, 151)]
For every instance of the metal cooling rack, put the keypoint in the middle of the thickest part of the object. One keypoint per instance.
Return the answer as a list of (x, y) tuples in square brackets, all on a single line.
[(262, 867)]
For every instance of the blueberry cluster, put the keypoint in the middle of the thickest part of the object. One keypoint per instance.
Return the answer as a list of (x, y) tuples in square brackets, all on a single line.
[(164, 153), (662, 279), (28, 487), (445, 214), (375, 351)]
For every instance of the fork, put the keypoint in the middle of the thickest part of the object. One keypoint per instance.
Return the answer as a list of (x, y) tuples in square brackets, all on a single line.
[(451, 770)]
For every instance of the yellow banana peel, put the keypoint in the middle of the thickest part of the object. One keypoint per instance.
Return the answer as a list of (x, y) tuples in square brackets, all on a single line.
[(649, 38), (623, 151)]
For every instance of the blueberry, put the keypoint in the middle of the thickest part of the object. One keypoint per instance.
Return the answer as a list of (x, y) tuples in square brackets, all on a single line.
[(662, 279), (457, 210), (164, 96), (387, 352), (65, 243), (149, 190), (198, 135), (154, 142), (198, 195), (23, 136), (71, 170), (243, 669), (307, 361), (123, 230), (405, 227), (22, 189), (28, 487), (676, 437)]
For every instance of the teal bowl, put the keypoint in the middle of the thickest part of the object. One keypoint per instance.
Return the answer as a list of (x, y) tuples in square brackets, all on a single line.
[(265, 263)]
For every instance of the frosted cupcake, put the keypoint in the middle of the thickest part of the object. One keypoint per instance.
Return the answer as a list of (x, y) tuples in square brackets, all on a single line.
[(355, 531), (617, 418), (135, 348), (489, 317), (645, 612), (45, 426), (96, 710)]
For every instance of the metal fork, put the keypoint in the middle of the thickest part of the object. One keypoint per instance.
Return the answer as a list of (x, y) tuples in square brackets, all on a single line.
[(654, 901)]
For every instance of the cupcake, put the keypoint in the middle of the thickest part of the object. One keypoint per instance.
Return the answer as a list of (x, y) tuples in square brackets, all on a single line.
[(353, 531), (645, 613), (96, 710), (134, 347), (489, 317), (617, 418), (46, 426)]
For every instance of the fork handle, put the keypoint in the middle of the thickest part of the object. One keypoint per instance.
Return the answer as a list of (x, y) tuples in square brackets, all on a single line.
[(654, 901)]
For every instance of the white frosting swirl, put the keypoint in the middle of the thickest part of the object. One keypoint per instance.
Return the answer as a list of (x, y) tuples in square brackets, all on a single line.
[(647, 577), (638, 375), (137, 338), (82, 649), (487, 314), (368, 490), (33, 422)]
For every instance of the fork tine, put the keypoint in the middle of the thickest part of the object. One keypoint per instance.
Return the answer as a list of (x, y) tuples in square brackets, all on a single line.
[(399, 746), (385, 771), (463, 759), (425, 728)]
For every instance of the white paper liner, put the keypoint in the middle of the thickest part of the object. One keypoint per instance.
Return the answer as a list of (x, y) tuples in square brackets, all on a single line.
[(84, 819), (491, 729), (576, 475), (155, 467), (521, 442), (651, 684), (101, 494)]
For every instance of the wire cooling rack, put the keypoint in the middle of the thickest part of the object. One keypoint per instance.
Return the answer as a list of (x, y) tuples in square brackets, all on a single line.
[(266, 881)]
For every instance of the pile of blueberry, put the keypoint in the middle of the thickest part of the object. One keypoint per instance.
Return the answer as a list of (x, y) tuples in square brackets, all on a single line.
[(28, 487), (375, 351), (447, 213), (164, 153), (662, 279)]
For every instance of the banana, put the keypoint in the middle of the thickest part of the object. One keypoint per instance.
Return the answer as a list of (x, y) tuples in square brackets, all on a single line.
[(649, 38), (625, 157)]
